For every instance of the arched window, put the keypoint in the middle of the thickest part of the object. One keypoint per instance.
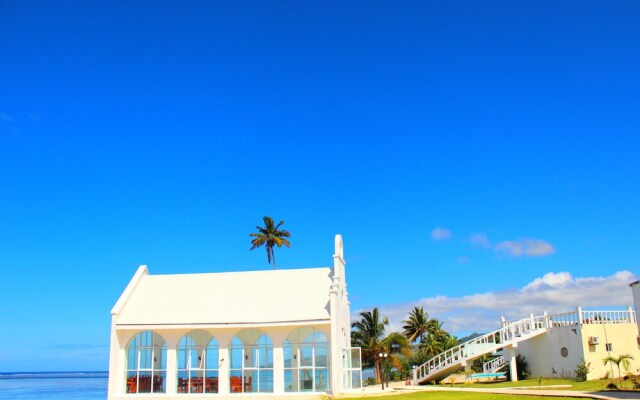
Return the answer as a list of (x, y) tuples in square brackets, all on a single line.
[(198, 363), (146, 363), (306, 361), (251, 362)]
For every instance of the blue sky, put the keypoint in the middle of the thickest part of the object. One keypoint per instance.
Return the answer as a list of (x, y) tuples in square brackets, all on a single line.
[(464, 151)]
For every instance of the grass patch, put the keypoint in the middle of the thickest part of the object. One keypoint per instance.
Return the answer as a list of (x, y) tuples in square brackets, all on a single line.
[(586, 386)]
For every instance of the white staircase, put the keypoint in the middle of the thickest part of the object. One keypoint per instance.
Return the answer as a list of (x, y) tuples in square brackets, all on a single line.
[(494, 365), (453, 359)]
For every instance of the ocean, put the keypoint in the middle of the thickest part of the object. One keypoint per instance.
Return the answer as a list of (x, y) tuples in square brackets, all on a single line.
[(53, 385), (62, 385)]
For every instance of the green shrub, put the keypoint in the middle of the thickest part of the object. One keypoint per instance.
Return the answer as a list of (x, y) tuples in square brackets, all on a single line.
[(635, 380), (582, 370), (522, 366)]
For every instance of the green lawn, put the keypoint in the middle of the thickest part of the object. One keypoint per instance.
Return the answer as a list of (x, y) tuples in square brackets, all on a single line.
[(458, 396), (589, 386)]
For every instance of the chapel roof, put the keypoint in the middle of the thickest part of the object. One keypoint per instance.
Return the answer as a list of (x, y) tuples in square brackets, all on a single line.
[(227, 298)]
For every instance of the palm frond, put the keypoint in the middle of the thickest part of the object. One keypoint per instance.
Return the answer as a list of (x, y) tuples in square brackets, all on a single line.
[(270, 236)]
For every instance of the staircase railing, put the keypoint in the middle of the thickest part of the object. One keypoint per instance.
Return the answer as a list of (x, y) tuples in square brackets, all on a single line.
[(514, 330), (511, 331), (493, 365), (457, 354)]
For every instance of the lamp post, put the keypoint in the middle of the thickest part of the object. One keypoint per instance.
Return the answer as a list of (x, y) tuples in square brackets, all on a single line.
[(381, 357), (413, 375)]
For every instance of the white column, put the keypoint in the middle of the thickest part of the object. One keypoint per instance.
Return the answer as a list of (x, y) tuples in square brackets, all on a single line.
[(172, 369), (223, 371), (513, 369), (278, 368), (531, 323), (468, 370), (579, 312), (630, 315), (467, 365), (336, 341)]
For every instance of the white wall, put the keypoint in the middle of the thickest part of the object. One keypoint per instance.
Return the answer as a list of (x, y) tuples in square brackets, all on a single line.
[(635, 290), (544, 352)]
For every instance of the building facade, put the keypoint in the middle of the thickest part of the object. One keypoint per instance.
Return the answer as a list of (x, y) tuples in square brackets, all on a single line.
[(240, 333), (581, 335), (553, 346), (635, 290)]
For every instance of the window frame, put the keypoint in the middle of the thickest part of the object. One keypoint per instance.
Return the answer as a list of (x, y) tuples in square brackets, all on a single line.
[(256, 362), (144, 346), (195, 379), (299, 367)]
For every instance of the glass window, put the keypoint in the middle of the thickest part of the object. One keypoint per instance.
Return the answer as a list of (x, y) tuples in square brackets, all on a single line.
[(146, 363), (288, 380), (251, 362), (306, 361), (198, 355), (351, 368), (322, 355)]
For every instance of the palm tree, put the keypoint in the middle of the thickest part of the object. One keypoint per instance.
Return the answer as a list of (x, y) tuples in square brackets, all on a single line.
[(436, 327), (449, 341), (445, 339), (624, 359), (270, 236), (368, 334), (417, 325), (430, 346), (435, 341)]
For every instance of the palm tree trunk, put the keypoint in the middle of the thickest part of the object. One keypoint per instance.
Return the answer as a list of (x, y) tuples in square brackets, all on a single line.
[(619, 376)]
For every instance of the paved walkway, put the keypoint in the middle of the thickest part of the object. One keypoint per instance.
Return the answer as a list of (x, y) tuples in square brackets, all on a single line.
[(399, 387)]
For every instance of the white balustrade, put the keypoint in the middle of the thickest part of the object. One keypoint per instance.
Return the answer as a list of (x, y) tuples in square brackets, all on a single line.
[(492, 366), (608, 317), (512, 332)]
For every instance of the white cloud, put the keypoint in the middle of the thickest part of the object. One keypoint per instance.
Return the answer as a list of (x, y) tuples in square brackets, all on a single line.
[(463, 260), (553, 292), (480, 239), (525, 247), (440, 234), (550, 280)]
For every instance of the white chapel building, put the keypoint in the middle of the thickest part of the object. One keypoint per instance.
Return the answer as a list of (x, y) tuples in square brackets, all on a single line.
[(262, 333)]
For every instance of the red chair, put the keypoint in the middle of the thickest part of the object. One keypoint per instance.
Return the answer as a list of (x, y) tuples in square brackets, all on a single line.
[(236, 384), (211, 385), (196, 385), (144, 383), (247, 384), (157, 384), (183, 385), (132, 385)]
